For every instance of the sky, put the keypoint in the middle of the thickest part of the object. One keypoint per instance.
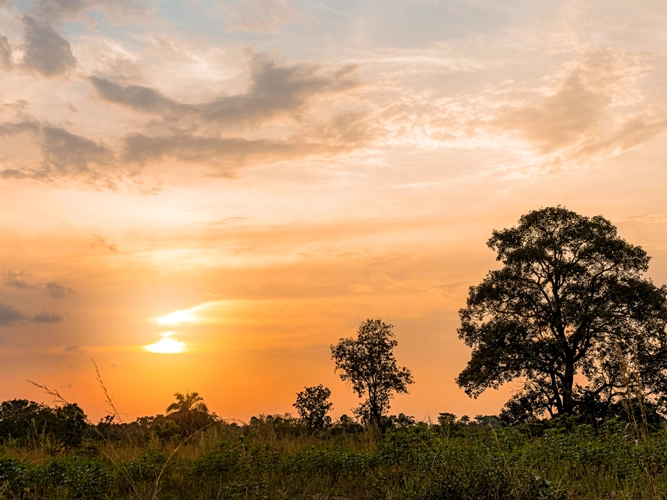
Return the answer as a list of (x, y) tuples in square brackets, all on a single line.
[(249, 180)]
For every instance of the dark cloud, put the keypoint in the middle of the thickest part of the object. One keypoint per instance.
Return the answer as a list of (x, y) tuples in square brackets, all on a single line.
[(45, 51), (13, 173), (14, 128), (17, 280), (9, 315), (47, 317), (64, 154), (72, 348), (275, 90), (70, 153), (56, 291), (5, 53)]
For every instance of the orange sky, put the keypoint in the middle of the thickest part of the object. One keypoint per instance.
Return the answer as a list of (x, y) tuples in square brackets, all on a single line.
[(292, 168)]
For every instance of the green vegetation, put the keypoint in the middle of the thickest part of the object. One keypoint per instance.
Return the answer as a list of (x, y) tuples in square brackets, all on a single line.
[(277, 457), (569, 314)]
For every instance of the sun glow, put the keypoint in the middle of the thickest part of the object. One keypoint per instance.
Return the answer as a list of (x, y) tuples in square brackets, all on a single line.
[(178, 317), (166, 345)]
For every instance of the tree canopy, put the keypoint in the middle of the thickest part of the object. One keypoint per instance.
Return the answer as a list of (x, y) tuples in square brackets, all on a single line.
[(368, 362), (569, 314)]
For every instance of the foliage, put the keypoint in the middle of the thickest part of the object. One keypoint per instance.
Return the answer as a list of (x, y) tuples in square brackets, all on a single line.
[(27, 421), (418, 461), (368, 362), (313, 404), (570, 300), (189, 412)]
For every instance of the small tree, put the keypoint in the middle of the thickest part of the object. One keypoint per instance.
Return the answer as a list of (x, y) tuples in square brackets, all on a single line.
[(368, 362), (568, 305), (313, 405)]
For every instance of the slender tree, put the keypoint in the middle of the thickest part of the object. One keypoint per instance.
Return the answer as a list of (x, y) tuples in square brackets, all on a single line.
[(569, 313), (368, 362)]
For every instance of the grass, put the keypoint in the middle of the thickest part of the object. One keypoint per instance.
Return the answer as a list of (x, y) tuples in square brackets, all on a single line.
[(266, 460)]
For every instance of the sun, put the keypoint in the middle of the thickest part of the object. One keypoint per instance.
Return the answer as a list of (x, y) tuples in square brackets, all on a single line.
[(166, 345)]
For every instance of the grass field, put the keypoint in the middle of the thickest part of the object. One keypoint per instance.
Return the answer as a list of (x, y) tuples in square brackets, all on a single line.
[(275, 458)]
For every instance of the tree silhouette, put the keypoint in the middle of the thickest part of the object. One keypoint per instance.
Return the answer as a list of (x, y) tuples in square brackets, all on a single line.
[(569, 303), (187, 402), (189, 411), (313, 405), (368, 362)]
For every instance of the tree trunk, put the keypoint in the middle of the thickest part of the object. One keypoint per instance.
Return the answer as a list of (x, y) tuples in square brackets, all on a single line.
[(568, 383)]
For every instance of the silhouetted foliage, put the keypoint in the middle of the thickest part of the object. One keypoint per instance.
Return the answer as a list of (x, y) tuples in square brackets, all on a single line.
[(27, 422), (368, 363), (569, 300), (189, 412), (313, 404)]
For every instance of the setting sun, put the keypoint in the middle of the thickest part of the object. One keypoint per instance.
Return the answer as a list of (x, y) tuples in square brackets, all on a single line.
[(166, 345)]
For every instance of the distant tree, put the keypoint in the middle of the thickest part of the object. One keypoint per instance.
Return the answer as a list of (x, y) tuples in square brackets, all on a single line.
[(368, 362), (568, 313), (313, 404), (190, 412)]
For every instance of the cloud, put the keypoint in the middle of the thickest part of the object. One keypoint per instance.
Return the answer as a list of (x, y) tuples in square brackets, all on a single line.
[(45, 51), (9, 315), (64, 154), (582, 104), (341, 135), (72, 349), (580, 112), (275, 90), (101, 241), (47, 317), (5, 4), (70, 153), (15, 128), (56, 291), (5, 53), (56, 10), (17, 280)]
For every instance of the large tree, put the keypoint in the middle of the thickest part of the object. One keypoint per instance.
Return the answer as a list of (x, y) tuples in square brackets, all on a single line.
[(569, 313), (368, 362)]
